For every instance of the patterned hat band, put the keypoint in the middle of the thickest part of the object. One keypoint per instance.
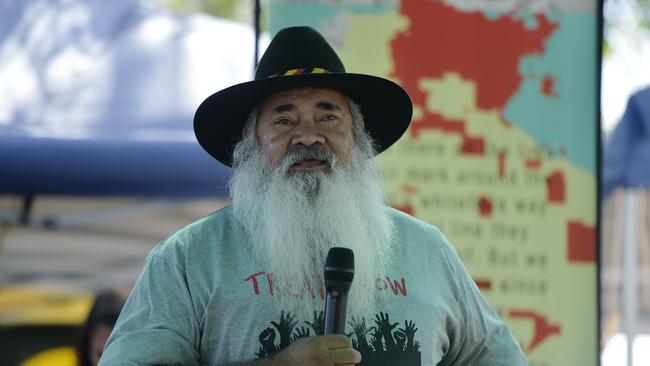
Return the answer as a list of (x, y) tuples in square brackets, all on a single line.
[(313, 70)]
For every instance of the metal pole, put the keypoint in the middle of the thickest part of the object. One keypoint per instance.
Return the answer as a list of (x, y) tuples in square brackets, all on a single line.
[(256, 19), (630, 273), (26, 212)]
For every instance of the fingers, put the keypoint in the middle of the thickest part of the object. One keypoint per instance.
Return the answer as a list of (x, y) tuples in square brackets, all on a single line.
[(345, 356), (333, 349), (341, 351), (335, 341)]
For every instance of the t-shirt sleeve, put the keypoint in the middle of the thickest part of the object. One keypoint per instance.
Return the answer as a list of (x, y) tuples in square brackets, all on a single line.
[(478, 336), (158, 324)]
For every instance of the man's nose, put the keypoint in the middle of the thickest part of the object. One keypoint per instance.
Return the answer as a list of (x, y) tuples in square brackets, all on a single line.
[(307, 133)]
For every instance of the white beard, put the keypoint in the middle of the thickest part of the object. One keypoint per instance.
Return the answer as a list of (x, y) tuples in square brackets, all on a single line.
[(294, 219)]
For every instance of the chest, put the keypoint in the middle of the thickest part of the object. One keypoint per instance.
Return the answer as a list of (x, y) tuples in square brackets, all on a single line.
[(252, 315)]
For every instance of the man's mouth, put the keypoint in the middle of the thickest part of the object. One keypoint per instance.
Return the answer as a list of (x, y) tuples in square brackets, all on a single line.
[(310, 164)]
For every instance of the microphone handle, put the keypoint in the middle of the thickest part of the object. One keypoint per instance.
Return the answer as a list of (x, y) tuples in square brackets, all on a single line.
[(336, 303)]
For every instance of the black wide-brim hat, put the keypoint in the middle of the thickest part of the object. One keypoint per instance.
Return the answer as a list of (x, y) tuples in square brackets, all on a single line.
[(300, 57)]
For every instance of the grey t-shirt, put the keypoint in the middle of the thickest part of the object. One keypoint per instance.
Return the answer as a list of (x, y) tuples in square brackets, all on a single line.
[(201, 300)]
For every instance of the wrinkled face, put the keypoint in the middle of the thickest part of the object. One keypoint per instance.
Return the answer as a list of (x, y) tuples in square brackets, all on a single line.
[(305, 116)]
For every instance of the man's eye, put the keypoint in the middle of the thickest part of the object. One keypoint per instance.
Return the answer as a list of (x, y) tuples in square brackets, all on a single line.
[(328, 117), (282, 121)]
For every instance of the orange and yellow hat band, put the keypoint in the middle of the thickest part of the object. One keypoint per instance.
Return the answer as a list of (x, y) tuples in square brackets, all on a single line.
[(314, 70)]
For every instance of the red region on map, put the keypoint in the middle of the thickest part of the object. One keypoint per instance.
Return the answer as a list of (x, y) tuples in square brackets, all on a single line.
[(501, 163), (473, 145), (581, 242), (487, 51), (409, 189), (547, 87), (483, 284), (542, 328), (407, 209), (535, 163), (555, 187), (485, 207)]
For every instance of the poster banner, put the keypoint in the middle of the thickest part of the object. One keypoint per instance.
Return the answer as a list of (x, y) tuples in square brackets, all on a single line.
[(501, 152)]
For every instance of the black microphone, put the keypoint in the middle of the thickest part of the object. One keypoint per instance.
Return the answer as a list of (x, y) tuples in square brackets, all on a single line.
[(339, 272)]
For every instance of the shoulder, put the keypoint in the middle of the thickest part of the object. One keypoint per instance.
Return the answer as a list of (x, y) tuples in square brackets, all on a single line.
[(210, 225), (424, 241), (200, 236), (407, 225)]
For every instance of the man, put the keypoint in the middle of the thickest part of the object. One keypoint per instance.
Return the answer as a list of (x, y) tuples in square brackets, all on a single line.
[(243, 285)]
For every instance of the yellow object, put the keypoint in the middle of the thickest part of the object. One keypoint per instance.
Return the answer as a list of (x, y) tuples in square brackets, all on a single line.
[(61, 356), (25, 305)]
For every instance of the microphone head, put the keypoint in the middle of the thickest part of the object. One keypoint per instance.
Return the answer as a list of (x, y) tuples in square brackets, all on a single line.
[(339, 265)]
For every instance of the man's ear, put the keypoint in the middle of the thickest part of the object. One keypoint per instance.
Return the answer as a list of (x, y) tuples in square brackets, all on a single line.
[(244, 132)]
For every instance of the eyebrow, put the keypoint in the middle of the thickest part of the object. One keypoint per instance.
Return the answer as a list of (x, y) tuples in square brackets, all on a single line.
[(283, 108), (328, 106)]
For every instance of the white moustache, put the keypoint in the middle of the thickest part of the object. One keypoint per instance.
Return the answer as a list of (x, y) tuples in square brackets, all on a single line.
[(302, 153)]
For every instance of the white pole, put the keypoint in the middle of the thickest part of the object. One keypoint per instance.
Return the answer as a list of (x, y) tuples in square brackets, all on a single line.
[(630, 273)]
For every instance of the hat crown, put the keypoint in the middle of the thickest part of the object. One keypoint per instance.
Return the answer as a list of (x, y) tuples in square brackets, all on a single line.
[(297, 48)]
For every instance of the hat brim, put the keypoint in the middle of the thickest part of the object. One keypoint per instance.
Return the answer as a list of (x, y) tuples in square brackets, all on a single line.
[(220, 119)]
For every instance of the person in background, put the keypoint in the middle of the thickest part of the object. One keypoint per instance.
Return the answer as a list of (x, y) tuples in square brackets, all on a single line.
[(99, 325)]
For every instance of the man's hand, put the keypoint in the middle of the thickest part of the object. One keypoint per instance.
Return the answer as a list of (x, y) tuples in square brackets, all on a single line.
[(327, 350)]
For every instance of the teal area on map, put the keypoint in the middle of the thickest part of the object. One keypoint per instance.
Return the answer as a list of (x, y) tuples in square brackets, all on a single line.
[(313, 14), (567, 120)]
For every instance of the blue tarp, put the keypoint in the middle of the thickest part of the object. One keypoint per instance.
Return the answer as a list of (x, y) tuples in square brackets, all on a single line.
[(626, 152), (109, 168), (97, 97)]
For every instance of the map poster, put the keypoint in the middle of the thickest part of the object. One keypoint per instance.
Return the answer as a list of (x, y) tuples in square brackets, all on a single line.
[(501, 152)]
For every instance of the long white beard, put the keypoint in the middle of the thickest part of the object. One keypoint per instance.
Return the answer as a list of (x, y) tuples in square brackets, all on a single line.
[(294, 219)]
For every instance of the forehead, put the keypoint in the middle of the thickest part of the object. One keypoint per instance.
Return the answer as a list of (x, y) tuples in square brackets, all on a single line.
[(304, 97)]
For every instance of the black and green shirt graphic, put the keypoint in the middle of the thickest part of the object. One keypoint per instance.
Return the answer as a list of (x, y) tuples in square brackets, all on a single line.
[(380, 342)]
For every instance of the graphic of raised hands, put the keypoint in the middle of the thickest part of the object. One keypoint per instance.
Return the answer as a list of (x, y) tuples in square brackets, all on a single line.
[(261, 353), (360, 330), (298, 347), (376, 340), (408, 333), (286, 325), (300, 332), (416, 346), (386, 328), (267, 340), (400, 340), (318, 323)]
